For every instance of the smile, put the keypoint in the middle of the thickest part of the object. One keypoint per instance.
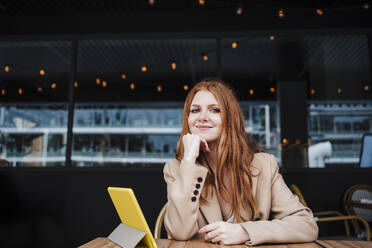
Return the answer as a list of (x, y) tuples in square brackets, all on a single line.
[(203, 127)]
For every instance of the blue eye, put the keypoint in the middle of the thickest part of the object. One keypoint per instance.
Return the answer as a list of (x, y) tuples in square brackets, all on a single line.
[(216, 110), (194, 110)]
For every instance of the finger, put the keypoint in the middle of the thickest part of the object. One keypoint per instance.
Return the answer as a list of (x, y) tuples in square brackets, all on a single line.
[(217, 239), (208, 228), (212, 235), (205, 144)]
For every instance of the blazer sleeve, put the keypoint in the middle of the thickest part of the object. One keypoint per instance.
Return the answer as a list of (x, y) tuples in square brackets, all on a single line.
[(290, 222), (184, 186)]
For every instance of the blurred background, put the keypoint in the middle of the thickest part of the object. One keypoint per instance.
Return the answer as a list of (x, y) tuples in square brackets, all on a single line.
[(92, 92)]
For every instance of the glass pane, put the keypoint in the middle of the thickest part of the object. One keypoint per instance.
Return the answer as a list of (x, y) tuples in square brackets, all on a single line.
[(339, 113), (33, 102)]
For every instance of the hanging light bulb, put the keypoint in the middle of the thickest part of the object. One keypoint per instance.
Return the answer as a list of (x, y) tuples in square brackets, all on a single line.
[(251, 92), (174, 65), (42, 72), (281, 13), (205, 57), (272, 89), (39, 89), (319, 11), (20, 91), (144, 68), (104, 83), (339, 90), (272, 37), (151, 2), (76, 84), (201, 2), (132, 86), (366, 87), (3, 92), (234, 44), (123, 76), (54, 85), (239, 10), (284, 141), (366, 6), (98, 81), (312, 91), (185, 87), (159, 88), (6, 68)]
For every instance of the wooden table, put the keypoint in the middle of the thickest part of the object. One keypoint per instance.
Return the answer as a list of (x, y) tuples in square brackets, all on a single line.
[(166, 243)]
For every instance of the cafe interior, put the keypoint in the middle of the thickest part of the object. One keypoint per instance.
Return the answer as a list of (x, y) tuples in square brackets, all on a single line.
[(92, 94)]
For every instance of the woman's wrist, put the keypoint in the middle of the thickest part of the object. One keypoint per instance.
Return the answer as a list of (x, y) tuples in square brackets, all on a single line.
[(189, 159)]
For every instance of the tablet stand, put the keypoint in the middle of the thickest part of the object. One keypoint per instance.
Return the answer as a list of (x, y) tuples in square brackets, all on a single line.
[(126, 236)]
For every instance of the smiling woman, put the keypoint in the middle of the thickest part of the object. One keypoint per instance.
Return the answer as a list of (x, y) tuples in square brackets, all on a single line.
[(221, 188)]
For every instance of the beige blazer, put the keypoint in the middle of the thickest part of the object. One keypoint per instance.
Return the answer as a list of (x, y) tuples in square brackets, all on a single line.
[(281, 218)]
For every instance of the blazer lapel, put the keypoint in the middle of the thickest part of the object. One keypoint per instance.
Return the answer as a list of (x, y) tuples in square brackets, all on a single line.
[(211, 211)]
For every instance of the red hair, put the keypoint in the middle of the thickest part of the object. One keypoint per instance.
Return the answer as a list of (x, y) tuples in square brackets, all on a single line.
[(234, 151)]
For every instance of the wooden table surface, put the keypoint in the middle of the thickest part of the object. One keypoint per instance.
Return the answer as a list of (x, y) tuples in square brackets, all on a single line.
[(166, 243)]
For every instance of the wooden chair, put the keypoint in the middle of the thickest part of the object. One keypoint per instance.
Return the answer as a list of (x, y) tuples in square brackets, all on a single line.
[(333, 215), (159, 222), (357, 201)]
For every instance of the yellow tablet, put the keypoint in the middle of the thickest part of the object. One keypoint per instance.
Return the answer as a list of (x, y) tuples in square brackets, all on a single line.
[(130, 212)]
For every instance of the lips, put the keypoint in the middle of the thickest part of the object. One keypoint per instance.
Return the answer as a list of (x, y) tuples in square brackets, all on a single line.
[(203, 127)]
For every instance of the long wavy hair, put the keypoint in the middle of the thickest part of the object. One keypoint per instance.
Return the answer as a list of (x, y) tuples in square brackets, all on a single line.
[(235, 150)]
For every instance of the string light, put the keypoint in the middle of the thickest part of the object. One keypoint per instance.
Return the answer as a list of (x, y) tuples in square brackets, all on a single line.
[(205, 57), (366, 88), (284, 141), (339, 90), (76, 84), (132, 86), (272, 37), (54, 85), (272, 89), (312, 91), (159, 88), (98, 81), (234, 44), (144, 68), (3, 92), (6, 68), (251, 92), (239, 10), (123, 76), (319, 11), (42, 72), (20, 91), (280, 13), (174, 65), (39, 89), (104, 83), (185, 87), (201, 2)]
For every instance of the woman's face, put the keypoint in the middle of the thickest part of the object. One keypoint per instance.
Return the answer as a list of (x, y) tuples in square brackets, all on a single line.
[(205, 116)]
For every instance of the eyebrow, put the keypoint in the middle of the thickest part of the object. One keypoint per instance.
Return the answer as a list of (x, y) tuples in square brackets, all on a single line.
[(210, 105)]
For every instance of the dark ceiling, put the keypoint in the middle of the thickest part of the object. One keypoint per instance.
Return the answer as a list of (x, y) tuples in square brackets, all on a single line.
[(325, 58), (109, 6)]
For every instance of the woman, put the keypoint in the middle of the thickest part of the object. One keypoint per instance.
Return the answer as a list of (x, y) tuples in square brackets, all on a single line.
[(220, 187)]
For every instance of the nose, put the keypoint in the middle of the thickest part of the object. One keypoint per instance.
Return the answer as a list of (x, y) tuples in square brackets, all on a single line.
[(203, 116)]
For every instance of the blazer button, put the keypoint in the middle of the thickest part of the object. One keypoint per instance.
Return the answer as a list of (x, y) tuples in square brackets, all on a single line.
[(196, 192), (197, 186), (193, 198), (200, 179)]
